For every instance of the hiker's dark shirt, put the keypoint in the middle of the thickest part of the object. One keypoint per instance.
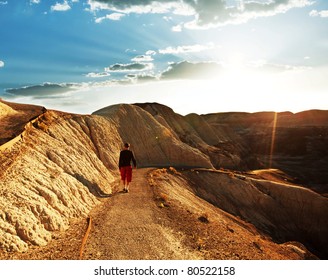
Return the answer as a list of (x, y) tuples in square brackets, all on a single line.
[(126, 156)]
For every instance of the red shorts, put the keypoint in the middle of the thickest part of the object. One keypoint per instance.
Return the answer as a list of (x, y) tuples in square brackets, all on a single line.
[(126, 173)]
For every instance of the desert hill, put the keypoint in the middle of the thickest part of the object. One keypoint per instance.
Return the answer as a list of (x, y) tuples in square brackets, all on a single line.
[(296, 143), (154, 143), (280, 209), (221, 145), (14, 117), (58, 167)]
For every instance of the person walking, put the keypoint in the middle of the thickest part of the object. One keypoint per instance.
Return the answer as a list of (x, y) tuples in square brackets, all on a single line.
[(126, 157)]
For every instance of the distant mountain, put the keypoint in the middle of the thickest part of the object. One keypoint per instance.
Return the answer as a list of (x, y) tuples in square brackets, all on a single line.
[(295, 143)]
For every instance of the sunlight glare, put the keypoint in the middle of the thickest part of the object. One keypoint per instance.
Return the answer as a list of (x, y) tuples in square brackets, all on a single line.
[(235, 62)]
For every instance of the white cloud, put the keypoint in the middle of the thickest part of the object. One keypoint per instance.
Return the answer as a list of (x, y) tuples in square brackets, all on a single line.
[(143, 6), (186, 49), (189, 70), (142, 58), (3, 2), (166, 18), (242, 13), (95, 6), (113, 16), (130, 50), (136, 66), (264, 66), (97, 75), (2, 64), (177, 28), (45, 90), (100, 20), (35, 1), (315, 13), (207, 14), (150, 52), (61, 7)]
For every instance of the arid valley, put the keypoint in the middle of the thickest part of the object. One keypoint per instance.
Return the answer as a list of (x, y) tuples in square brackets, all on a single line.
[(214, 186)]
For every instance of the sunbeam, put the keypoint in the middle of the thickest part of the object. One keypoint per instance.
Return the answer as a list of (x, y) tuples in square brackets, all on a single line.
[(273, 136)]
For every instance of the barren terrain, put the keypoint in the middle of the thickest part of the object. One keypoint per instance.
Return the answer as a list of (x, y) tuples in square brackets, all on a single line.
[(194, 194), (156, 220)]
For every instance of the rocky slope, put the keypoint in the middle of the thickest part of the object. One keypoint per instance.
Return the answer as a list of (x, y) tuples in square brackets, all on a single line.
[(57, 166), (154, 144), (295, 143), (14, 117), (221, 144), (59, 163), (280, 209), (51, 175), (218, 234)]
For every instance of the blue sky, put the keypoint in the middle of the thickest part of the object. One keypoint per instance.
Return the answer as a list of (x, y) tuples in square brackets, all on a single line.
[(194, 56)]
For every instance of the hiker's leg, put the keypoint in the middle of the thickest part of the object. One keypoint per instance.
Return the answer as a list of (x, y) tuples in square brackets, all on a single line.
[(128, 176), (123, 177)]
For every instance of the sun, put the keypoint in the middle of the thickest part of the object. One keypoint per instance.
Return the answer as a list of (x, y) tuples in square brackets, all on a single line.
[(235, 62)]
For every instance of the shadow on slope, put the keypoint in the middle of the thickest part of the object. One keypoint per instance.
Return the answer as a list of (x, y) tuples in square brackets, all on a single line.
[(153, 143), (214, 232), (284, 211)]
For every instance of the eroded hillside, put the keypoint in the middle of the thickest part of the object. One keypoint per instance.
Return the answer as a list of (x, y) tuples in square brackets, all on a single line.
[(296, 143), (59, 163), (58, 166), (54, 173), (280, 209), (154, 144), (221, 144)]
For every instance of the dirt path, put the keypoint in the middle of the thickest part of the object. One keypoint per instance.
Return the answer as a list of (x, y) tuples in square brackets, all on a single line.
[(131, 226)]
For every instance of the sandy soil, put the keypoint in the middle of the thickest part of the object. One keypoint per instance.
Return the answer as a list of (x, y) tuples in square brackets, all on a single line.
[(131, 226), (158, 219), (162, 217), (125, 226)]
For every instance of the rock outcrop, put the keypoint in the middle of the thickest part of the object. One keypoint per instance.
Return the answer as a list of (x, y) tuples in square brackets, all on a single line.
[(53, 174)]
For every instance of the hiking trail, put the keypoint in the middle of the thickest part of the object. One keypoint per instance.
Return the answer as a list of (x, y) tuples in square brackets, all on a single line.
[(131, 226)]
